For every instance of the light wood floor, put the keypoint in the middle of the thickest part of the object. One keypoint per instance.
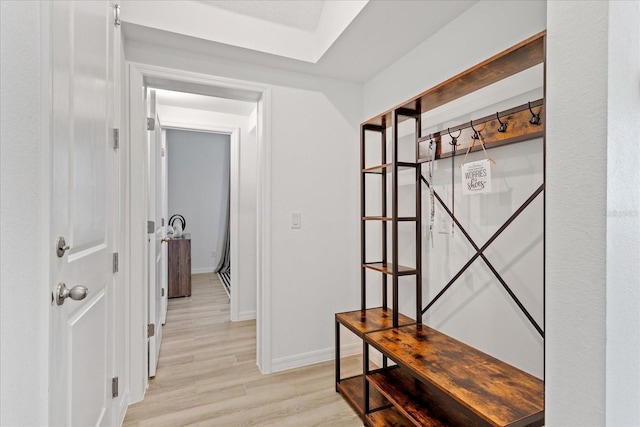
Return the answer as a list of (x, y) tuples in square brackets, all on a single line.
[(207, 374)]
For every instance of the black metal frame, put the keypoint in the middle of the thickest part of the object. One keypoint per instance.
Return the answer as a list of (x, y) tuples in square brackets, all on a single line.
[(395, 219), (480, 254)]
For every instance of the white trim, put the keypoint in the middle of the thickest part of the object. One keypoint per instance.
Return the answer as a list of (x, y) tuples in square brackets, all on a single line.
[(246, 91), (234, 227), (312, 357), (44, 365), (263, 231), (246, 315), (137, 227)]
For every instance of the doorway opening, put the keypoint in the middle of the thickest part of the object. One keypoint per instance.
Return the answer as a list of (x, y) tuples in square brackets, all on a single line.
[(190, 119), (141, 76)]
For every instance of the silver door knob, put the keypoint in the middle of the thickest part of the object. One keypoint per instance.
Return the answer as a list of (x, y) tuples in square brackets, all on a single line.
[(76, 293), (166, 239)]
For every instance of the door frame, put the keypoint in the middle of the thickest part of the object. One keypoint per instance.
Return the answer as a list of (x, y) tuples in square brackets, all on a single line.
[(167, 78)]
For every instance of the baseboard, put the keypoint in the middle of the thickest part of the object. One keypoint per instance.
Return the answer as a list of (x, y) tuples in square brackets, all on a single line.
[(202, 270), (247, 315), (312, 357)]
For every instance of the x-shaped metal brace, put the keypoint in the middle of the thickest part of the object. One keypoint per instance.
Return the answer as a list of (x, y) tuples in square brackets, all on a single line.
[(480, 254)]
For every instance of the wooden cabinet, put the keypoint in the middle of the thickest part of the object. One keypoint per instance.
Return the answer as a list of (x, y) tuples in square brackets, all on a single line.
[(180, 266)]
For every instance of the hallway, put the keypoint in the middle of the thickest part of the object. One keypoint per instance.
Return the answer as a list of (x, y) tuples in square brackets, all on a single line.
[(207, 374)]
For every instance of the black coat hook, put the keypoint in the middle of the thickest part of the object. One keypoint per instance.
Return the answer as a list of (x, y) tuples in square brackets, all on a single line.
[(475, 132), (535, 118), (454, 139), (503, 126)]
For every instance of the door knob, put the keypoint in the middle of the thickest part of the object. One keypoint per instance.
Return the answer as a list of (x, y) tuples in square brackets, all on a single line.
[(166, 239), (76, 293)]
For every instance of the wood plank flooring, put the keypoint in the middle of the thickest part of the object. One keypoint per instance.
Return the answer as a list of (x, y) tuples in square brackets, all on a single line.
[(207, 374)]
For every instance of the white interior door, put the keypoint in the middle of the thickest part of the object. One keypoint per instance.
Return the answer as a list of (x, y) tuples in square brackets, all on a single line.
[(154, 201), (83, 212)]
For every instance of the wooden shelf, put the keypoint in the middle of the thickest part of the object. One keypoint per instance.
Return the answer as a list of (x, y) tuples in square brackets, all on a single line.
[(351, 390), (386, 168), (388, 417), (418, 402), (388, 218), (491, 390), (391, 417), (373, 319), (387, 268)]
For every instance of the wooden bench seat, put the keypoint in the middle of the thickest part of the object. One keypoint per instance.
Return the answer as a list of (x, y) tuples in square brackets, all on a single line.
[(444, 379)]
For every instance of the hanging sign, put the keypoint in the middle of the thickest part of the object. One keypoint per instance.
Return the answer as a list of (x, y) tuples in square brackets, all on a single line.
[(476, 177)]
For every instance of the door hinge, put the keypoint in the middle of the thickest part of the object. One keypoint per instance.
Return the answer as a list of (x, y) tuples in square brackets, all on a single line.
[(116, 139), (162, 292), (116, 12), (151, 227), (151, 123), (114, 387), (151, 330), (115, 262), (162, 222)]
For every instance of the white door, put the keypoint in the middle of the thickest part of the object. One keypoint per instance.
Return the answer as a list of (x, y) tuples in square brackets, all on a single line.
[(154, 240), (83, 213)]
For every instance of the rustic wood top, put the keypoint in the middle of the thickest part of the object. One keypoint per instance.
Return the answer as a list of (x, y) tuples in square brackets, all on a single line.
[(373, 319), (493, 390)]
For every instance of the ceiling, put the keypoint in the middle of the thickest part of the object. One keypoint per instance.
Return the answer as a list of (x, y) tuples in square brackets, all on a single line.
[(351, 40), (301, 14)]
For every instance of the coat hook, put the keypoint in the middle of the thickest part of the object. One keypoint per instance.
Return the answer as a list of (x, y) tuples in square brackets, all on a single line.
[(475, 132), (535, 118), (454, 139), (503, 126)]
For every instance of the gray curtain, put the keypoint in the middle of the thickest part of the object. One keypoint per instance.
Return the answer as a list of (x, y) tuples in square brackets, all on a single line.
[(224, 266)]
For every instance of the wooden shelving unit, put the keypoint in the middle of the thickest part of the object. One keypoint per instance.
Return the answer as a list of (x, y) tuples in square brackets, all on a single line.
[(434, 379)]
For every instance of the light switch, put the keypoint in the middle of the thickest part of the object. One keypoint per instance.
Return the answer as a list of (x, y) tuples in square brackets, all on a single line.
[(296, 220)]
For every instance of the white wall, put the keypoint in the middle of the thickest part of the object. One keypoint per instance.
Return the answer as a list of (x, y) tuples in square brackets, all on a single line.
[(24, 272), (623, 216), (576, 207), (314, 170), (593, 376), (198, 189)]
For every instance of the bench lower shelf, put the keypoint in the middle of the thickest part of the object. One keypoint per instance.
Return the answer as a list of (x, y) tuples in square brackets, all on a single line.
[(352, 391)]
